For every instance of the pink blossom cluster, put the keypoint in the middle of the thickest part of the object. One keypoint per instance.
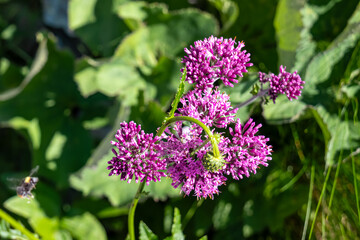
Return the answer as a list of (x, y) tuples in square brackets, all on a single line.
[(215, 58), (286, 83), (185, 151)]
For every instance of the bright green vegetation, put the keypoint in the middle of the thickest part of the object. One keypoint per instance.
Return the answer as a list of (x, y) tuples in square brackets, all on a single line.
[(62, 99)]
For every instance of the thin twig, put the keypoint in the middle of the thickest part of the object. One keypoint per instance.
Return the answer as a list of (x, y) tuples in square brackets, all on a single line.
[(253, 98)]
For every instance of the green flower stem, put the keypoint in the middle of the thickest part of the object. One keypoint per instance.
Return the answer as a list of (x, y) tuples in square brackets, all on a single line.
[(252, 99), (216, 151), (15, 224), (191, 212), (132, 209)]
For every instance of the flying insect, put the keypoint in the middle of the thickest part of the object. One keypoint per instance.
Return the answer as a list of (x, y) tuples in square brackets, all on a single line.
[(27, 184)]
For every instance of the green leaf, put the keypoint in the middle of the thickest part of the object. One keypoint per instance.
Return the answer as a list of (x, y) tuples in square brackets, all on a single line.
[(139, 14), (178, 95), (37, 65), (84, 226), (338, 134), (51, 116), (95, 181), (165, 77), (352, 70), (115, 78), (79, 15), (86, 78), (229, 11), (166, 36), (221, 215), (284, 110), (89, 21), (307, 44), (272, 213), (321, 66), (288, 26), (146, 233), (43, 225), (176, 231), (6, 232), (240, 93)]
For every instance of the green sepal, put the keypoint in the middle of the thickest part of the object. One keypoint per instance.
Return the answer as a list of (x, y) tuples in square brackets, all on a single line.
[(255, 89), (212, 163)]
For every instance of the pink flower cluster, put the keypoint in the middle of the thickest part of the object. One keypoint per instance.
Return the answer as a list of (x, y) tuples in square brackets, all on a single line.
[(137, 155), (215, 58), (184, 152), (284, 83)]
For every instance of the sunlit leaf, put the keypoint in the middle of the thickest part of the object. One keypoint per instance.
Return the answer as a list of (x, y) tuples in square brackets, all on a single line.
[(84, 226), (146, 233)]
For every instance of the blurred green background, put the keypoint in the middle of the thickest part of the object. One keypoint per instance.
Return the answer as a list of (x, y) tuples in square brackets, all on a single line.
[(71, 71)]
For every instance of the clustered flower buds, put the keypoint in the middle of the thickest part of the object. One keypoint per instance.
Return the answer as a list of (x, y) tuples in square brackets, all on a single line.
[(137, 155), (284, 83), (195, 154), (213, 59)]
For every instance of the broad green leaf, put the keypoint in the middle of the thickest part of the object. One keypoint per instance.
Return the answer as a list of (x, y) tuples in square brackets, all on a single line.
[(32, 127), (89, 20), (146, 233), (284, 110), (139, 49), (272, 213), (229, 11), (288, 26), (168, 37), (95, 181), (306, 47), (338, 134), (23, 207), (84, 226), (141, 13), (321, 66), (47, 108), (32, 210), (86, 78), (117, 79), (351, 90), (81, 12)]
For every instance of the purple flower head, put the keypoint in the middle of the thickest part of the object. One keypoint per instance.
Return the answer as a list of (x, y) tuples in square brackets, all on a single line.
[(212, 108), (246, 151), (137, 155), (185, 166), (213, 59), (284, 83)]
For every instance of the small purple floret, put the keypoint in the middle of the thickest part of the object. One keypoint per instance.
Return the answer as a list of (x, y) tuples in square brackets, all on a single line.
[(215, 58), (137, 155), (246, 151), (212, 108), (284, 83), (185, 166)]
